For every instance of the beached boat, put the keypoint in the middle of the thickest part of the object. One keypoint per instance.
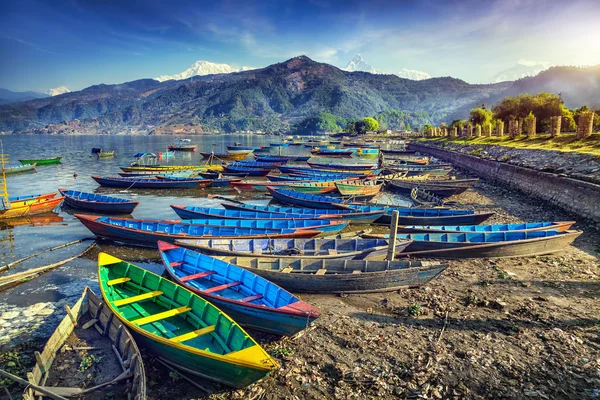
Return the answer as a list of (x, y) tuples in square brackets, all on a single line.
[(106, 154), (347, 249), (18, 169), (485, 244), (305, 199), (342, 276), (41, 161), (326, 227), (312, 171), (183, 145), (139, 183), (438, 172), (353, 216), (360, 188), (98, 202), (423, 216), (192, 212), (524, 227), (90, 309), (180, 327), (346, 167), (247, 170), (422, 197), (406, 187), (224, 156), (250, 300), (146, 233)]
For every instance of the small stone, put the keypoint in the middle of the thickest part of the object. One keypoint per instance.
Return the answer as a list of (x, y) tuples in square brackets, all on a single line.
[(9, 315)]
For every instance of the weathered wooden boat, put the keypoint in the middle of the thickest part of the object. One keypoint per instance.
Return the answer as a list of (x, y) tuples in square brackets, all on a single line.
[(423, 216), (181, 327), (440, 172), (347, 249), (90, 309), (353, 216), (361, 188), (485, 244), (345, 167), (147, 232), (421, 197), (18, 169), (405, 187), (524, 227), (326, 227), (169, 168), (41, 161), (106, 154), (224, 156), (138, 183), (342, 276), (182, 145), (249, 299), (192, 212), (98, 202), (449, 182)]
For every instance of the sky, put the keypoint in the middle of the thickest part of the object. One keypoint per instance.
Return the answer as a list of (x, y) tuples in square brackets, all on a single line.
[(78, 43)]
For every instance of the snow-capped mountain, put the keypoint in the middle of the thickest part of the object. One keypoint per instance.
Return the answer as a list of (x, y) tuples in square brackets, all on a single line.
[(202, 68), (413, 74), (358, 64), (522, 69), (57, 91)]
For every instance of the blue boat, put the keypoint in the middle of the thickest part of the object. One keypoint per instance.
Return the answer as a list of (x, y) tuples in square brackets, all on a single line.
[(293, 197), (244, 147), (247, 298), (323, 225), (97, 202), (146, 233), (288, 178), (255, 164), (279, 144), (138, 183), (265, 149), (528, 226), (192, 212), (349, 215), (247, 171)]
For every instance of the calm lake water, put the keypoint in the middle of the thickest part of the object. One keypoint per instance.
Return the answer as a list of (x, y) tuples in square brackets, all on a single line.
[(21, 238)]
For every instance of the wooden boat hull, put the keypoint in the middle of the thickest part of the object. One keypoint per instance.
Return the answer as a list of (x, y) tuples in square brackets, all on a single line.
[(439, 191), (110, 326), (20, 169), (386, 275), (42, 161), (151, 183), (28, 198), (318, 249), (103, 204), (245, 362), (527, 227), (230, 157), (145, 238), (42, 205), (287, 319), (509, 249), (15, 212)]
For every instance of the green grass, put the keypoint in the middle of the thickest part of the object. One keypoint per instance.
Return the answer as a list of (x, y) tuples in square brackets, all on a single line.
[(564, 143)]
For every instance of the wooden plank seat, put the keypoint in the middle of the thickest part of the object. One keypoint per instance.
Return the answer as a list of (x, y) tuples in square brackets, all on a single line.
[(193, 335), (135, 299), (197, 276), (163, 315), (222, 287), (117, 281), (321, 271), (251, 298), (175, 264)]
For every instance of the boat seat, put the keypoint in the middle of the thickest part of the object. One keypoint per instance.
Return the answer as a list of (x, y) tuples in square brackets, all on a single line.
[(251, 298), (332, 251), (287, 270), (135, 299), (222, 287), (176, 264), (163, 315), (356, 271), (113, 282), (193, 335), (197, 276), (321, 271)]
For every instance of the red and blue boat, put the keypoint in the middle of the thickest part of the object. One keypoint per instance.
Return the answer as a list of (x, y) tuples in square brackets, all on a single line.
[(247, 171), (138, 183), (248, 299), (99, 203)]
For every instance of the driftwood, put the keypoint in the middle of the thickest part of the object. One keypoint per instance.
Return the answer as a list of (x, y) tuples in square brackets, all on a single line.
[(36, 387), (10, 280), (75, 391)]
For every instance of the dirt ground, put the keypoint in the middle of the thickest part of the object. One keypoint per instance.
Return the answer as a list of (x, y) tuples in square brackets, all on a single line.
[(486, 329)]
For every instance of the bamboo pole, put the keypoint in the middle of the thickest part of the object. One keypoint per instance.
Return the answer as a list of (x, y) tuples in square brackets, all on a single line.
[(393, 233)]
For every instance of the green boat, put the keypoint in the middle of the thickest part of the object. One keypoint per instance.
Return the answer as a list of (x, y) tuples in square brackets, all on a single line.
[(106, 154), (180, 327), (42, 161)]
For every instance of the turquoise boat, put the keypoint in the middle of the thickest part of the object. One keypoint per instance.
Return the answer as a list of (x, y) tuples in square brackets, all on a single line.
[(181, 327)]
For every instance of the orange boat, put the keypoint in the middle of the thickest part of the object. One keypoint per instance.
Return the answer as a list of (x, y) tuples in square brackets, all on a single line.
[(30, 207)]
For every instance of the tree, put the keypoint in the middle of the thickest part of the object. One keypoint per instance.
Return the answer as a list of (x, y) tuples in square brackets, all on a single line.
[(481, 116), (320, 123), (408, 129), (368, 124)]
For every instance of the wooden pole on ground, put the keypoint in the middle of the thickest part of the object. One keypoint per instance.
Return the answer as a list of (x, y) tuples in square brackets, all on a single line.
[(36, 387), (393, 233)]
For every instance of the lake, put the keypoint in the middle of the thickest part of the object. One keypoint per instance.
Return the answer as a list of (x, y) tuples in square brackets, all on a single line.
[(21, 238)]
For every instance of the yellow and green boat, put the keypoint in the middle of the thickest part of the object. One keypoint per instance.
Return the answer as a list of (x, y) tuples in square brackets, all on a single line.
[(180, 327)]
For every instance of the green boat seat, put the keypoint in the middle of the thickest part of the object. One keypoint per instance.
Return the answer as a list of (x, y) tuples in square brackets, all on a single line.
[(163, 315), (193, 335), (197, 276), (113, 282), (222, 287), (135, 299)]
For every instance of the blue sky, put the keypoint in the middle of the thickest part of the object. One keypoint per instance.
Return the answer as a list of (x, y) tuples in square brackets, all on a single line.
[(78, 43)]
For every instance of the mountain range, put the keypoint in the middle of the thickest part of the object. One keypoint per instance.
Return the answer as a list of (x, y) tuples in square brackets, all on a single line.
[(359, 64), (8, 96), (273, 98)]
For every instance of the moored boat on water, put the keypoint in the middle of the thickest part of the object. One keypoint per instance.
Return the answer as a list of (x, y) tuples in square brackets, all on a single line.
[(180, 327), (41, 161), (183, 145), (225, 156), (97, 202), (138, 183), (249, 299), (18, 169)]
